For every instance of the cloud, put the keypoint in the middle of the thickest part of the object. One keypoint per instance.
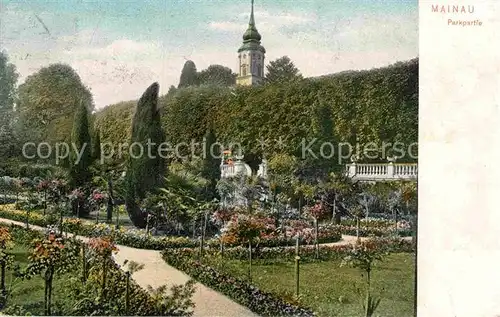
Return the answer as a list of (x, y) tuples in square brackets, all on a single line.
[(226, 26), (264, 20), (119, 65)]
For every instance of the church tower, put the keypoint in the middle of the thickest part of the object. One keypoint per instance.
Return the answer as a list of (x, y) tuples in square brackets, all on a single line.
[(251, 56)]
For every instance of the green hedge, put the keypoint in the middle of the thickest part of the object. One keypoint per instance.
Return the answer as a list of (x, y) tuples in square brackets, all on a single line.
[(359, 101)]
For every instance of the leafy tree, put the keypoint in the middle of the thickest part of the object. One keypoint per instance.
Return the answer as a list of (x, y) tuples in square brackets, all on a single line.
[(144, 173), (282, 70), (48, 101), (189, 76), (8, 80), (217, 75), (80, 139)]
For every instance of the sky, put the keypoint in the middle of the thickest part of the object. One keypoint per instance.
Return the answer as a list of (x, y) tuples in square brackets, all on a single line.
[(120, 47)]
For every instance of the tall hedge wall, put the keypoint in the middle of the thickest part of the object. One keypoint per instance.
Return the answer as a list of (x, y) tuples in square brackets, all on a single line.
[(366, 106)]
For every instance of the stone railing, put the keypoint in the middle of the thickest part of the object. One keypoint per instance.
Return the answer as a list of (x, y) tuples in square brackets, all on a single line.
[(237, 168), (384, 171)]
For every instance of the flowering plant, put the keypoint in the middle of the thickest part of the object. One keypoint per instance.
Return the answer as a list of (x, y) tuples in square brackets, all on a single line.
[(316, 211), (5, 237), (47, 251), (222, 215), (97, 198), (76, 195), (43, 185), (103, 246), (243, 229)]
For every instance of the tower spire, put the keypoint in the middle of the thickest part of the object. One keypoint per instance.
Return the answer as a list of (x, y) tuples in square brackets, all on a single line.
[(251, 33), (252, 20)]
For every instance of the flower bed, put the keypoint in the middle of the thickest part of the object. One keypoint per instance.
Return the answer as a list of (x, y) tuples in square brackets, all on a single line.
[(139, 239), (373, 231), (258, 301), (307, 252)]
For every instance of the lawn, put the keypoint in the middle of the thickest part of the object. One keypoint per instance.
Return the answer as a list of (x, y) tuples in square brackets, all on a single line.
[(330, 290), (30, 293)]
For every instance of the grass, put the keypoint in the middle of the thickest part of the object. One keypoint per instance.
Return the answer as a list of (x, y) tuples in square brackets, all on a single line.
[(331, 290), (30, 293)]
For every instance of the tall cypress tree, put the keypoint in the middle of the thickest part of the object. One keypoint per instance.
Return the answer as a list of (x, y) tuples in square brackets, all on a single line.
[(80, 138), (211, 162), (144, 172), (189, 76), (96, 146)]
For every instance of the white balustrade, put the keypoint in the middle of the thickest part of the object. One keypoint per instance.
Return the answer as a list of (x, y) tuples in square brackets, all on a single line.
[(389, 171), (358, 171)]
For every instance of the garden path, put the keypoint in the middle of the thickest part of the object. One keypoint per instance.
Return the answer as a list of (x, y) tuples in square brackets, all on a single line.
[(156, 272)]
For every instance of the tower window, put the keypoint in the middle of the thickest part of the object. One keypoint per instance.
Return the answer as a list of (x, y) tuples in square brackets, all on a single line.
[(244, 70)]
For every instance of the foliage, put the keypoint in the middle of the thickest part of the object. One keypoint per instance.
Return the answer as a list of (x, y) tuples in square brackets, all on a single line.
[(211, 163), (270, 237), (144, 173), (80, 173), (96, 146), (359, 104), (317, 211), (242, 229), (85, 299), (114, 123), (48, 101), (307, 252), (8, 81), (217, 75), (282, 70), (189, 76)]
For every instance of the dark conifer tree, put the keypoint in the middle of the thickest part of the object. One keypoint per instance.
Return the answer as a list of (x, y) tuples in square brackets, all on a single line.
[(145, 172), (96, 146), (189, 75), (80, 138), (211, 162)]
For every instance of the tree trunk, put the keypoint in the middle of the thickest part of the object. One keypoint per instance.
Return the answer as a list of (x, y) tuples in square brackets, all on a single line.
[(194, 228), (2, 280), (203, 232), (109, 214), (84, 265), (250, 261), (334, 220), (357, 228), (316, 237), (337, 218), (48, 290)]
